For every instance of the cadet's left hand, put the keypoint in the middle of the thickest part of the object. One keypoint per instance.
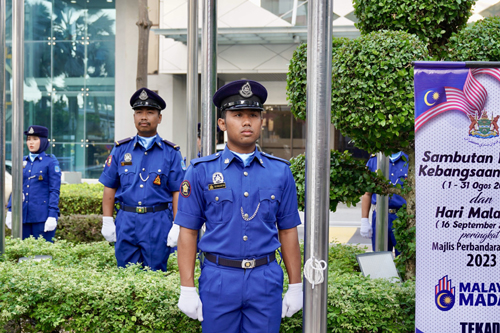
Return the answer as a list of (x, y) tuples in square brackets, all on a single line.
[(292, 302), (50, 224), (173, 235)]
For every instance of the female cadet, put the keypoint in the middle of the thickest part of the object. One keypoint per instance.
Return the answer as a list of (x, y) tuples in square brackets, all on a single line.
[(41, 186)]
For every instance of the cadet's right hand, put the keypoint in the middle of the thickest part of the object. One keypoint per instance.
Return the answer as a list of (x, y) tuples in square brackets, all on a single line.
[(190, 303), (366, 228), (8, 220), (108, 228)]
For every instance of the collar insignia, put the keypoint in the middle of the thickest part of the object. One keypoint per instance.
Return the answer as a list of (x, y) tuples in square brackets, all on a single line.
[(246, 90), (226, 161), (144, 95)]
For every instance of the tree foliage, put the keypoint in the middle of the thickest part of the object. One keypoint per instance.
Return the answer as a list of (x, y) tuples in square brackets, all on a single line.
[(296, 81), (433, 21), (478, 42), (372, 90), (349, 179)]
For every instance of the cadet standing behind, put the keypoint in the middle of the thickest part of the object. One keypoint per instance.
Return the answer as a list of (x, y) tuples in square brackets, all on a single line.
[(398, 171), (248, 201), (143, 174), (41, 187)]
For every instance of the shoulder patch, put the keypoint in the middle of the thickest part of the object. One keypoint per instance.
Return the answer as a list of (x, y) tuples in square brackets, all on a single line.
[(123, 141), (208, 158), (275, 158), (171, 144)]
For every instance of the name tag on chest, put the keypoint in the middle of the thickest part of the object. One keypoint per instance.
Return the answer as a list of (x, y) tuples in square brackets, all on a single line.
[(216, 186)]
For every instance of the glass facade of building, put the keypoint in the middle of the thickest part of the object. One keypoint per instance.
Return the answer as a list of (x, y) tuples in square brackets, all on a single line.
[(69, 79)]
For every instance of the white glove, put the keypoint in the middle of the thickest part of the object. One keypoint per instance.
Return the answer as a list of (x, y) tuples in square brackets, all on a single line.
[(8, 220), (173, 235), (108, 228), (50, 224), (190, 303), (366, 228), (293, 300)]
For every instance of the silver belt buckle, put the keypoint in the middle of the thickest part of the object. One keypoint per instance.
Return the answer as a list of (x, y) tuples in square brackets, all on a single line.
[(248, 263)]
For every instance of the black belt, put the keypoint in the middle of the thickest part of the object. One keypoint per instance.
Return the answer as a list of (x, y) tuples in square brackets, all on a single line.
[(142, 209), (245, 263), (393, 211)]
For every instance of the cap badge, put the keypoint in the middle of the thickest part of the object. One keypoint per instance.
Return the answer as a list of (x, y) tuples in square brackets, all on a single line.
[(246, 90), (144, 95), (218, 178), (31, 131)]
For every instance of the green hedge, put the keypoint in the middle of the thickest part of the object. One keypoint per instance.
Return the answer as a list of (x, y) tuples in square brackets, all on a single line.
[(77, 228), (82, 199), (82, 290)]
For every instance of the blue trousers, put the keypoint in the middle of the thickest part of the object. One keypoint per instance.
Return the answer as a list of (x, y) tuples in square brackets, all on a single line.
[(36, 230), (238, 300), (142, 238), (391, 240)]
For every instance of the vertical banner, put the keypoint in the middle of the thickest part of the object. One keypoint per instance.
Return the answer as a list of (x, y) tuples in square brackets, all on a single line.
[(457, 170)]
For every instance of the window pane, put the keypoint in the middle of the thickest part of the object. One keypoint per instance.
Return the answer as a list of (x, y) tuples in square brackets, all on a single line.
[(37, 22), (100, 118), (68, 122), (96, 157)]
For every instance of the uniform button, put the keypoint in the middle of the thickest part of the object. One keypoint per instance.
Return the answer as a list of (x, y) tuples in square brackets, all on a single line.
[(126, 170), (216, 198), (140, 203), (272, 197), (27, 186), (141, 186), (245, 173), (392, 174), (245, 238), (145, 153), (143, 169), (245, 216), (159, 170), (40, 171), (27, 193), (29, 170), (245, 194)]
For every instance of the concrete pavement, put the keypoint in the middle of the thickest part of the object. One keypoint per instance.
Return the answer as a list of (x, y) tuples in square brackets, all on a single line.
[(343, 226)]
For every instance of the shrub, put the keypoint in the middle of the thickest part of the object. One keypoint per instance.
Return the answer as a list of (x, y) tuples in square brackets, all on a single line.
[(433, 21), (82, 290), (296, 80), (478, 42), (80, 228), (349, 179), (81, 199), (372, 90)]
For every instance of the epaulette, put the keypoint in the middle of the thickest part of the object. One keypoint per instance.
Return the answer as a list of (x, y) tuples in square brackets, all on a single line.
[(171, 144), (276, 158), (123, 141), (208, 158)]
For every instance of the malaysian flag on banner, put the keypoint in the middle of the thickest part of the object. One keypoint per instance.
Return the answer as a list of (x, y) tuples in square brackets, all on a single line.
[(469, 99)]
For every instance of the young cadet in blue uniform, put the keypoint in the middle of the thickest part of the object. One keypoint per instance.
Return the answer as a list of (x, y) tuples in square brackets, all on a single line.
[(248, 202), (398, 171), (143, 174), (41, 187)]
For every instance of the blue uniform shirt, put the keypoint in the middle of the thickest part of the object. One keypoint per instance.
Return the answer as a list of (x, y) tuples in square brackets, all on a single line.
[(243, 207), (398, 171), (143, 177), (41, 188)]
